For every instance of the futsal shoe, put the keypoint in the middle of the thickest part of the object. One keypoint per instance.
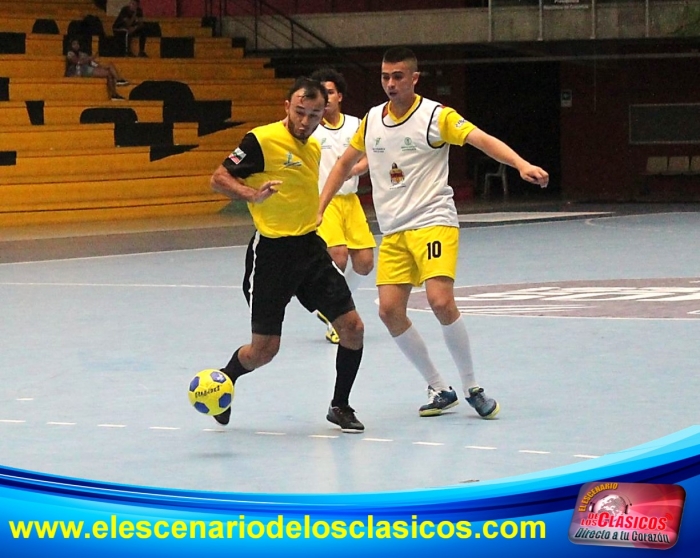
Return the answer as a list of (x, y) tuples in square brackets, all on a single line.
[(486, 407), (438, 401), (331, 333), (344, 416), (223, 418)]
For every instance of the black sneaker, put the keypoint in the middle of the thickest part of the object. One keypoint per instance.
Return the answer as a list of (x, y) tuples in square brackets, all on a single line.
[(121, 82), (224, 417), (345, 418), (143, 55), (118, 97)]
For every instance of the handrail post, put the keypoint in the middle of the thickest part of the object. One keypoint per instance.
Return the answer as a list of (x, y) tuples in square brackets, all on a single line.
[(490, 20), (647, 19), (540, 33)]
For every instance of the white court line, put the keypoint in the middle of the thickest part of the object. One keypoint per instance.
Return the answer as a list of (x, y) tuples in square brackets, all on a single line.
[(104, 256), (24, 399), (322, 436), (118, 285)]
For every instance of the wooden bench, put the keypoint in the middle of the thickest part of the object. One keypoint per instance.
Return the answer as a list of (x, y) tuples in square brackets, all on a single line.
[(674, 178), (674, 165), (56, 137)]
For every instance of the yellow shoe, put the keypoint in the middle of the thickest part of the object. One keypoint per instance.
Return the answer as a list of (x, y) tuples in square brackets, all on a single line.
[(331, 333)]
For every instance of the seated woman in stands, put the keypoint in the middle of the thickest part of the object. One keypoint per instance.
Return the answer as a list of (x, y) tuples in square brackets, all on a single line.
[(81, 64)]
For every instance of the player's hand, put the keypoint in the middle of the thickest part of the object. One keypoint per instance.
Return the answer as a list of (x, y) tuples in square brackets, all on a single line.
[(265, 191), (535, 175), (319, 219)]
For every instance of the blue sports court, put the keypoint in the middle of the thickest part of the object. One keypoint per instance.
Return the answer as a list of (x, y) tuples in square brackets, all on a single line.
[(583, 323)]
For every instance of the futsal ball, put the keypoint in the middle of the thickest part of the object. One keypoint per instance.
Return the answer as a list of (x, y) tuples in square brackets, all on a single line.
[(211, 392)]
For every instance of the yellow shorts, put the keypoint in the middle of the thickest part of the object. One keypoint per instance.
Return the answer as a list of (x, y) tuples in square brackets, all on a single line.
[(345, 224), (411, 257)]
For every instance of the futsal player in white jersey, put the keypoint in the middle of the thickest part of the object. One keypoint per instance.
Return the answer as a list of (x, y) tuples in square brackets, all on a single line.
[(344, 228), (406, 142)]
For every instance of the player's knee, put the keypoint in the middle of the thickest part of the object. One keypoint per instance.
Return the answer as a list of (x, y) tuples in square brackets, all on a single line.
[(351, 330), (442, 306), (264, 354), (389, 315), (363, 262)]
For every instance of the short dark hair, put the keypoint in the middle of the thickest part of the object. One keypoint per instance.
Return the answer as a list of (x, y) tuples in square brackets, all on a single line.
[(312, 88), (329, 74), (401, 54)]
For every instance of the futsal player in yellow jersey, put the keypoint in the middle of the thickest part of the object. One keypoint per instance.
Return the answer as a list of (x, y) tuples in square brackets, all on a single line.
[(275, 170), (407, 144), (344, 228)]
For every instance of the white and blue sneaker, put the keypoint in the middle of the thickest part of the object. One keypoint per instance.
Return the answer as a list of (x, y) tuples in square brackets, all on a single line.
[(486, 407), (438, 401)]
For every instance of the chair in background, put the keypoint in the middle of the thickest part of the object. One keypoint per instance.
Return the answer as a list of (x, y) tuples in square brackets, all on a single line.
[(694, 165), (678, 165), (657, 165), (499, 174)]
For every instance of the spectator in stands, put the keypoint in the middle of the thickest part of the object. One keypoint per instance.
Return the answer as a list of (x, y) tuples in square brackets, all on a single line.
[(81, 64), (129, 22)]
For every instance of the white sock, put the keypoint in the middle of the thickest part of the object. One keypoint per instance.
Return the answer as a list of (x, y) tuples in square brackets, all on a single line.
[(457, 341), (352, 278), (412, 345)]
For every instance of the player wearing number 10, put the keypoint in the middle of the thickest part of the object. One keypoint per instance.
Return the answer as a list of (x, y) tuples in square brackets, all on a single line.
[(407, 144)]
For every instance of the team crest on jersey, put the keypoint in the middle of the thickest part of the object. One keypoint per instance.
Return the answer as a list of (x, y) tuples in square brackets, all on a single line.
[(397, 176), (290, 162), (408, 145), (237, 156)]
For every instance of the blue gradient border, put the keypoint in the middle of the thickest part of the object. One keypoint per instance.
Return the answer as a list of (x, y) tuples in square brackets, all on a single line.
[(548, 496)]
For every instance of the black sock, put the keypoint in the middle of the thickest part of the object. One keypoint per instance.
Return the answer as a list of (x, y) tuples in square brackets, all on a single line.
[(234, 369), (347, 363)]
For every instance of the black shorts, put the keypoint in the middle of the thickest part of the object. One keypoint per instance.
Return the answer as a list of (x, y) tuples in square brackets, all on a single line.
[(276, 269)]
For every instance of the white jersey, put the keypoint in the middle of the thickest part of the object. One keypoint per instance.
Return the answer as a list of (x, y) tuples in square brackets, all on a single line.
[(409, 166), (334, 141)]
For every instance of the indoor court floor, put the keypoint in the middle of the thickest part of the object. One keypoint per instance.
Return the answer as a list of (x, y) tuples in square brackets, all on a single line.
[(583, 324)]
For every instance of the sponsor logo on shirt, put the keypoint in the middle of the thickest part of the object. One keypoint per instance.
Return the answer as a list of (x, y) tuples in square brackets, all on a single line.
[(461, 122), (376, 148), (237, 156), (290, 162), (408, 145)]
